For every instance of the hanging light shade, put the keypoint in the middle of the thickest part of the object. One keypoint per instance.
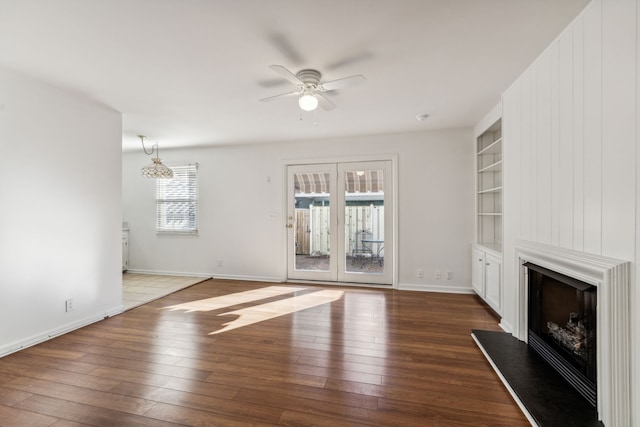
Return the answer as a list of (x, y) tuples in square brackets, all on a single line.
[(157, 169), (308, 102)]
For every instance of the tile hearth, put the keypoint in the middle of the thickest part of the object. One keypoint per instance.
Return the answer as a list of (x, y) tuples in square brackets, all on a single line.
[(546, 396)]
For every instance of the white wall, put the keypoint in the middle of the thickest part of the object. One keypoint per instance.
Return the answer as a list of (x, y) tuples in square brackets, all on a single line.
[(571, 153), (60, 212), (241, 210)]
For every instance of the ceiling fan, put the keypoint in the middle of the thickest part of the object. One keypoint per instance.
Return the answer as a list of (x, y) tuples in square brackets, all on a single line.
[(311, 88)]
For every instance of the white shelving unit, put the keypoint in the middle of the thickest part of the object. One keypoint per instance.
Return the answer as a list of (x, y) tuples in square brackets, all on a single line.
[(486, 252), (489, 188)]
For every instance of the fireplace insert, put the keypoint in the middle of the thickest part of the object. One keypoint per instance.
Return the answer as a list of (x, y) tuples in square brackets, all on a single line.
[(562, 326)]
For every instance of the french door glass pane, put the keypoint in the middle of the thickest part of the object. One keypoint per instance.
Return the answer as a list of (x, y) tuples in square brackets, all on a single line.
[(364, 221), (312, 221)]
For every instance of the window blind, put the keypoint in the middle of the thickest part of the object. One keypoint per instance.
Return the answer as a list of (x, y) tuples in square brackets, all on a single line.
[(177, 201)]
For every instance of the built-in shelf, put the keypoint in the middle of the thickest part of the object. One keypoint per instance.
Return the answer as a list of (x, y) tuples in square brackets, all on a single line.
[(489, 185), (494, 167), (491, 190), (494, 147), (486, 251), (496, 248)]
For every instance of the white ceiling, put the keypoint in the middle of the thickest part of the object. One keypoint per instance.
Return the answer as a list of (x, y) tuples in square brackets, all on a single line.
[(191, 72)]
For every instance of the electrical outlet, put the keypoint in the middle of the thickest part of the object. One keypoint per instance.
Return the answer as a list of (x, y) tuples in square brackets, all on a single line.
[(449, 275), (420, 273), (437, 274), (68, 305), (220, 262)]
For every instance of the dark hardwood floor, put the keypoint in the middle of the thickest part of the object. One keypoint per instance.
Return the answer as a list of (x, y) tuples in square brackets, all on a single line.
[(247, 353)]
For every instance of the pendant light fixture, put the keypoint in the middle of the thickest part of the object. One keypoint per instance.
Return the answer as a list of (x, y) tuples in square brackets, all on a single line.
[(157, 169)]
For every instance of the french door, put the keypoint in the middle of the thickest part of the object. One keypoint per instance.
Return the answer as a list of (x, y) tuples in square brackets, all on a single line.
[(340, 222)]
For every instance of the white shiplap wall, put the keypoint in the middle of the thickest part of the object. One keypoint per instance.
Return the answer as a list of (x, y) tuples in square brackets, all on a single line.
[(571, 150)]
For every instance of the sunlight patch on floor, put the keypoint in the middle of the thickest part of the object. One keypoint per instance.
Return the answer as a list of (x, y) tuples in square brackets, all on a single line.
[(260, 313), (224, 301)]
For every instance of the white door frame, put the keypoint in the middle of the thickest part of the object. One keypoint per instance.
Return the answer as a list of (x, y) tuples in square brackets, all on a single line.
[(332, 273), (347, 159)]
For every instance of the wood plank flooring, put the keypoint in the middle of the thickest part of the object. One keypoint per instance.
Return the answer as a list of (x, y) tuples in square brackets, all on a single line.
[(227, 353)]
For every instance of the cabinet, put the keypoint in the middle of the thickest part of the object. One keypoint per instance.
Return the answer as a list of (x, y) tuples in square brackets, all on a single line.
[(486, 276), (125, 250), (489, 187)]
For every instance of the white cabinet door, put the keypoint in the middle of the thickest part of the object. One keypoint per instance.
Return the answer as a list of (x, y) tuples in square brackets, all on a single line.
[(486, 276), (125, 251), (477, 271), (493, 282)]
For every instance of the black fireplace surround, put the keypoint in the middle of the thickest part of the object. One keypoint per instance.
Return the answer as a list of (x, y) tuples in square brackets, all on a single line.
[(562, 326)]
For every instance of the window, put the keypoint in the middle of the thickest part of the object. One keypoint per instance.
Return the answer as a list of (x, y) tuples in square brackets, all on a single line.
[(177, 201)]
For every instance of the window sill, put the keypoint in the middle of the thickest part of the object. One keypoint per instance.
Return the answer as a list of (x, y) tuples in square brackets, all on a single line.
[(177, 234)]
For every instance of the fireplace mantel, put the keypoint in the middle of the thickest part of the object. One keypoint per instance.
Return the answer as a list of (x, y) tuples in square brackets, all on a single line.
[(611, 277)]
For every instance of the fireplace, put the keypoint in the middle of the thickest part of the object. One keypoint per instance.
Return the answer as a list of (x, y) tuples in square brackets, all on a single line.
[(602, 285), (562, 326)]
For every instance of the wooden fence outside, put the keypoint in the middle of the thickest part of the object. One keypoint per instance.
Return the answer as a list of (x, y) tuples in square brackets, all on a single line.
[(312, 228)]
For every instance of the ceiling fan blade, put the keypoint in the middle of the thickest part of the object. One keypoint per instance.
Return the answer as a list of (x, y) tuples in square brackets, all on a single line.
[(340, 83), (282, 95), (284, 72), (349, 60), (274, 82), (324, 102), (284, 45)]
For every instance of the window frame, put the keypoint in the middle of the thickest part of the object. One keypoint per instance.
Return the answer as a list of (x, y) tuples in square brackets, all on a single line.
[(184, 175)]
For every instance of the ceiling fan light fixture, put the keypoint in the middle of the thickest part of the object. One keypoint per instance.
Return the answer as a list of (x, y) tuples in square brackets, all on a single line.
[(308, 84), (308, 102)]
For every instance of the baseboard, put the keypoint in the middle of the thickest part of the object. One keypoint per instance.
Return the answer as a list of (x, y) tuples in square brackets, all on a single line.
[(208, 275), (434, 288), (401, 286), (505, 326), (55, 332), (169, 273), (248, 278), (350, 284)]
